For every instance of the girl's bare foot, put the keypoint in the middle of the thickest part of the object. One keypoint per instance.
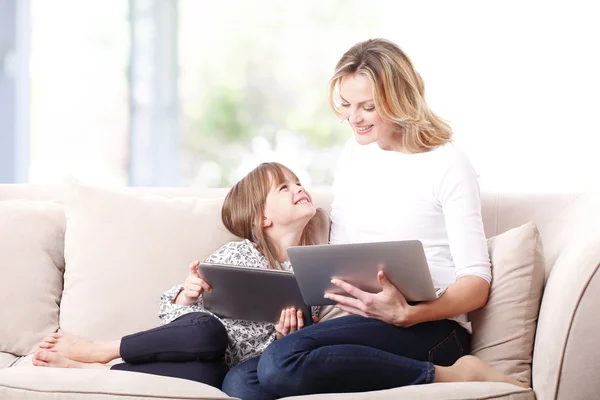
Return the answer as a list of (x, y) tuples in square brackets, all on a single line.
[(472, 369), (46, 358), (77, 348)]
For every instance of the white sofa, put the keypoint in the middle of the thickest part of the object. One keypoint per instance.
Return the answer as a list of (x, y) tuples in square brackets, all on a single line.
[(95, 261)]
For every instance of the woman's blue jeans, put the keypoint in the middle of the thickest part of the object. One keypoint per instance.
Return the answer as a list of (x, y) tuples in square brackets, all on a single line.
[(348, 354)]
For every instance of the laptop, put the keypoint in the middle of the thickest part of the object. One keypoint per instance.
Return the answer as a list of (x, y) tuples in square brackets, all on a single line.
[(253, 294), (403, 262)]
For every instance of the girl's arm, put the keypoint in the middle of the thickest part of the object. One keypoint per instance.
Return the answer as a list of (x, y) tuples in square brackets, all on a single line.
[(172, 305), (170, 311)]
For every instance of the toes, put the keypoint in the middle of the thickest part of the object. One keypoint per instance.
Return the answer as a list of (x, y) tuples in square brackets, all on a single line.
[(45, 345), (39, 363), (43, 355)]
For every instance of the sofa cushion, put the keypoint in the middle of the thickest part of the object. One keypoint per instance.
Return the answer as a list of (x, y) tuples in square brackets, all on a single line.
[(6, 360), (504, 330), (31, 267), (32, 383), (435, 391), (123, 250)]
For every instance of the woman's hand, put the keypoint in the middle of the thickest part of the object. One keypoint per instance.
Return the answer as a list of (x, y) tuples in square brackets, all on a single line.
[(290, 321), (193, 286), (389, 305)]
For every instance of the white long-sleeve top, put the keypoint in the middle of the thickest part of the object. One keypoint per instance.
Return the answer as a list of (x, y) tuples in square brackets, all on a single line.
[(432, 197)]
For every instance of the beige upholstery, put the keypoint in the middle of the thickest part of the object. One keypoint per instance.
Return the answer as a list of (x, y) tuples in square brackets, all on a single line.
[(127, 250), (31, 270), (436, 391), (33, 383), (568, 325), (565, 356), (6, 360), (504, 330)]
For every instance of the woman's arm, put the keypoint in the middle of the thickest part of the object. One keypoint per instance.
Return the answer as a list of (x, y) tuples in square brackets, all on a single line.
[(467, 294), (458, 195)]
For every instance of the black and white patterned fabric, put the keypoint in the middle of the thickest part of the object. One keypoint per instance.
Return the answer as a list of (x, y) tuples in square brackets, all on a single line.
[(246, 339)]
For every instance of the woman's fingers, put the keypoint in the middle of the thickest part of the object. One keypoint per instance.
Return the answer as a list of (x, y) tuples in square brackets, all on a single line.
[(352, 290), (352, 310), (300, 319), (348, 301)]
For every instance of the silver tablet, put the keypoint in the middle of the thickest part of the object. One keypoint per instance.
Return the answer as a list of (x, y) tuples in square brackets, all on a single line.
[(252, 294), (403, 262)]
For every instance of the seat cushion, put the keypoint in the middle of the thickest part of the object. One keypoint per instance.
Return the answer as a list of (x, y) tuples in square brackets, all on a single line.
[(33, 383), (6, 360), (436, 391), (504, 330), (31, 270)]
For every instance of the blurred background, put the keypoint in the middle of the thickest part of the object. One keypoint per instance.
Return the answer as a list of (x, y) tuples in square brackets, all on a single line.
[(197, 93)]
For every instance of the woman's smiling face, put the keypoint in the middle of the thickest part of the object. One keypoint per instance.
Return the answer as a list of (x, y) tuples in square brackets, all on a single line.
[(358, 107)]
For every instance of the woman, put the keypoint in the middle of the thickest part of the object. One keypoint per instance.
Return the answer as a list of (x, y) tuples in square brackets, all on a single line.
[(400, 178), (270, 209)]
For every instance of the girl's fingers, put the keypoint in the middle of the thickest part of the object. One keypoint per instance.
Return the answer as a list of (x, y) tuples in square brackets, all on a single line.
[(205, 285), (286, 322), (193, 267), (194, 287), (300, 319)]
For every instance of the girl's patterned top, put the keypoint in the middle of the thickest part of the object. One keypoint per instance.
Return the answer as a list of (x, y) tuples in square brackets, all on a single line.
[(247, 339)]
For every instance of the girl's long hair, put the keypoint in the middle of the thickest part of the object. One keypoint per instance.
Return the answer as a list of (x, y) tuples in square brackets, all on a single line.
[(244, 207)]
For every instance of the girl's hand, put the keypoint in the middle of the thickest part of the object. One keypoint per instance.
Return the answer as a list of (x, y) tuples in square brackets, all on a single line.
[(389, 305), (290, 321), (193, 286)]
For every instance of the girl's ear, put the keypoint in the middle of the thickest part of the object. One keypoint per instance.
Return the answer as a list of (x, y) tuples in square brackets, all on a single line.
[(266, 222)]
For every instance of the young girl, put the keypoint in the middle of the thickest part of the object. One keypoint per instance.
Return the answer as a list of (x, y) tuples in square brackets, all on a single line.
[(270, 209)]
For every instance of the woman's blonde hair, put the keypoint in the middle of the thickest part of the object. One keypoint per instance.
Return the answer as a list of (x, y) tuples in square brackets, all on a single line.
[(244, 207), (399, 92)]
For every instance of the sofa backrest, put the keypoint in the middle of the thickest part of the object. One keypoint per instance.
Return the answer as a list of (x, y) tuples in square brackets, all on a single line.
[(566, 356), (566, 359)]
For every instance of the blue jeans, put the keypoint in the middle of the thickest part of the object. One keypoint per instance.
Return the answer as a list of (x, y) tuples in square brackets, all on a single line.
[(348, 354)]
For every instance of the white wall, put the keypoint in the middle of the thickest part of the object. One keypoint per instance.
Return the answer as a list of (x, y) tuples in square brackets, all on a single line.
[(518, 80)]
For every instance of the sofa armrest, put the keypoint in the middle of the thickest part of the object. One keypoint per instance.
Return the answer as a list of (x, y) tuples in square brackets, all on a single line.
[(566, 356)]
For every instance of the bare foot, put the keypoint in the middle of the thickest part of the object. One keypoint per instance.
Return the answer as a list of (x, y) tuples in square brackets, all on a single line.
[(46, 358), (77, 348), (472, 369)]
